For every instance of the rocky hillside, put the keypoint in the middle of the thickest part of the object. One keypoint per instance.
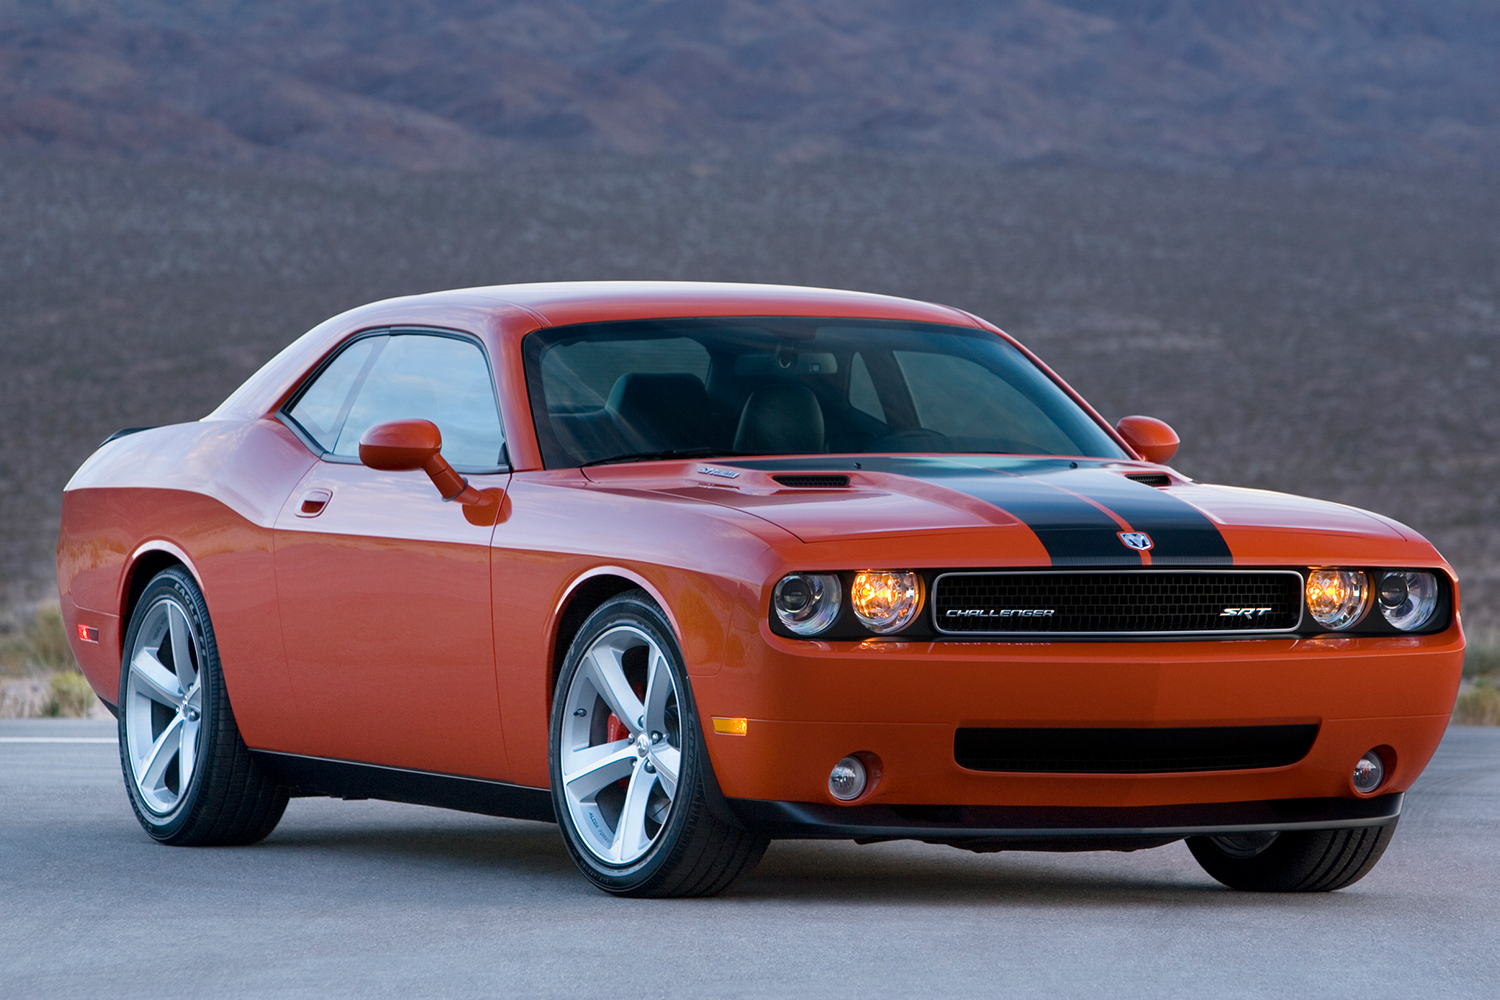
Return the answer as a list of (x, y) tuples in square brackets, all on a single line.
[(1390, 84)]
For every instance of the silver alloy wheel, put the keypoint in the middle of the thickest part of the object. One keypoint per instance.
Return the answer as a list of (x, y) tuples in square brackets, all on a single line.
[(619, 792), (163, 705)]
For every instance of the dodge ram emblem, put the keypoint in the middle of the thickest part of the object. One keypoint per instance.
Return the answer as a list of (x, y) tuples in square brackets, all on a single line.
[(1138, 540)]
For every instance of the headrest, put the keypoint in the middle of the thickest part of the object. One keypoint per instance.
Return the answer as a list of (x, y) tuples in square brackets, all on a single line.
[(782, 419), (660, 412)]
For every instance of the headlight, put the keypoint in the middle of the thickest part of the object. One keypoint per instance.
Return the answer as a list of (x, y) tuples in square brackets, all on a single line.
[(885, 600), (1337, 597), (1408, 598), (807, 603)]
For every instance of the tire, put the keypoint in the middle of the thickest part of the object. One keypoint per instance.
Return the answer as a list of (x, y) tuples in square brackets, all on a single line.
[(1302, 861), (192, 781), (630, 775)]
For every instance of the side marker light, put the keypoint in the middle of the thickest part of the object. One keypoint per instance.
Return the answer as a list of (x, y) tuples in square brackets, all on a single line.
[(731, 727), (88, 633)]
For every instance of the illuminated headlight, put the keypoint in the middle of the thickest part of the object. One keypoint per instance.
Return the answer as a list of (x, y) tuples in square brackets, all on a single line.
[(807, 603), (885, 600), (1337, 597), (1408, 598)]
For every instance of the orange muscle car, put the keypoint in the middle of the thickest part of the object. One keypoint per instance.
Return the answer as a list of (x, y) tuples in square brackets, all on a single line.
[(687, 567)]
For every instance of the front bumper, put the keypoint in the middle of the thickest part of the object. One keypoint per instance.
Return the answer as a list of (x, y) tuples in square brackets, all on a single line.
[(810, 704)]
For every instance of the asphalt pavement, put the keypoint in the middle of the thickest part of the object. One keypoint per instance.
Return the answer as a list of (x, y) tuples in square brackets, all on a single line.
[(370, 899)]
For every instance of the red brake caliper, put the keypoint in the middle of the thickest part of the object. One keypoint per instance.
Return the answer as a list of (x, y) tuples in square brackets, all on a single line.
[(614, 731)]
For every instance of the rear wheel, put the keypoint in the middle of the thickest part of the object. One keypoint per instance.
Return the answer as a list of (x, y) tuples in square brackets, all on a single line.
[(1300, 861), (629, 771), (191, 779)]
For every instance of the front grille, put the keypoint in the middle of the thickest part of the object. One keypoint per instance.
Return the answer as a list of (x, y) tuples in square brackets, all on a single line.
[(823, 481), (1132, 751), (1140, 602)]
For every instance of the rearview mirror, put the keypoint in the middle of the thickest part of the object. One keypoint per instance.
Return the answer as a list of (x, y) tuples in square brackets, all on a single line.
[(408, 445), (1152, 439)]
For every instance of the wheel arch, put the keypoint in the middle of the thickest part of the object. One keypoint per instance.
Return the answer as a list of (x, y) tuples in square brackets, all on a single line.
[(582, 597), (145, 562)]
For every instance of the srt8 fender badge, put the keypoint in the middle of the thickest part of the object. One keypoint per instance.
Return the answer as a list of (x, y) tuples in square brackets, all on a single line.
[(1138, 540)]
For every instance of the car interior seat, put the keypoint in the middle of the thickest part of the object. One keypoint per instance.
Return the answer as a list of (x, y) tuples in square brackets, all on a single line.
[(783, 418), (660, 412)]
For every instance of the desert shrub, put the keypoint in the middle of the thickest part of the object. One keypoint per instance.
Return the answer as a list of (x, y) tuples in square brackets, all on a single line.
[(1482, 655), (40, 645), (1478, 707), (69, 695), (47, 640)]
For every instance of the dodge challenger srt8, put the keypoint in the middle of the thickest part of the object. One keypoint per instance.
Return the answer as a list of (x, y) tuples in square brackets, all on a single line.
[(688, 567)]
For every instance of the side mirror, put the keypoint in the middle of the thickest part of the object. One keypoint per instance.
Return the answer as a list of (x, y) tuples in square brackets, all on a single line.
[(1152, 439), (408, 445)]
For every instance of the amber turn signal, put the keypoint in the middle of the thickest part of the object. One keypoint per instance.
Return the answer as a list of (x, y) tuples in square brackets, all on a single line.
[(731, 727), (1336, 598), (885, 600)]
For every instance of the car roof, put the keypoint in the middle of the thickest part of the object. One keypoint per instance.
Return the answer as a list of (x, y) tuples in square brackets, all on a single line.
[(507, 313), (561, 303)]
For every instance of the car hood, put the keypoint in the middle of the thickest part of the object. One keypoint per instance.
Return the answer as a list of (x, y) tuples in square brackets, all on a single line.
[(1064, 511)]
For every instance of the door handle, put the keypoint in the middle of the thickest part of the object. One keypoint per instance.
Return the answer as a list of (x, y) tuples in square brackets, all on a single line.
[(313, 502)]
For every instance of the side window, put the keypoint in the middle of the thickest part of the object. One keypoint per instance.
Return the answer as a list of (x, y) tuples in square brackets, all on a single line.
[(862, 394), (408, 376), (324, 406)]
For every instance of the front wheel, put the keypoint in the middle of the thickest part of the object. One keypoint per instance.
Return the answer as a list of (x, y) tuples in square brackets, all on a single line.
[(1300, 861), (191, 779), (629, 770)]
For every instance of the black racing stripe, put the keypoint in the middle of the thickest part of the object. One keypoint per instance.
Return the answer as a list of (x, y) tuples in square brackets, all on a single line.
[(1074, 531), (1180, 534)]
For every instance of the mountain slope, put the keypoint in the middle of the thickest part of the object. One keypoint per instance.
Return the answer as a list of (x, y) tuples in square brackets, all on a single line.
[(1396, 84)]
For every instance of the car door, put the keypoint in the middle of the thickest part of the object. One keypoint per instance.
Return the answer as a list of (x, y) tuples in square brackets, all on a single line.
[(384, 589)]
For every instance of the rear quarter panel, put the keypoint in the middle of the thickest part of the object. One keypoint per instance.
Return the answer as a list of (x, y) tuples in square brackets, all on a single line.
[(206, 494)]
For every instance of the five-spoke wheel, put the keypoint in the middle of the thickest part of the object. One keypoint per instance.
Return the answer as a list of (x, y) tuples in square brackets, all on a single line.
[(629, 775), (164, 705), (621, 748), (192, 780)]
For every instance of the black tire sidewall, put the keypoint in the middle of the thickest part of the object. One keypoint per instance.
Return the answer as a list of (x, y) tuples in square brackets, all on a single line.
[(638, 610), (176, 585)]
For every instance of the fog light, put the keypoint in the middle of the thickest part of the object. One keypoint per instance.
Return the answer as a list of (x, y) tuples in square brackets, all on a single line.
[(848, 779), (1369, 772), (885, 600), (807, 603), (1407, 599), (1337, 597)]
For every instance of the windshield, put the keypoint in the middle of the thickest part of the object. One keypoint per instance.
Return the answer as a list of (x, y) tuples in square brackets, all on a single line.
[(627, 391)]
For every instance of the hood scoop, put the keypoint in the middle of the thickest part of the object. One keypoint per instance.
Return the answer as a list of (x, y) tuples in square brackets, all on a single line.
[(815, 481), (1150, 478)]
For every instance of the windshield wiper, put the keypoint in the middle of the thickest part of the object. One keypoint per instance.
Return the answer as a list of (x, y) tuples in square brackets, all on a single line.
[(656, 456)]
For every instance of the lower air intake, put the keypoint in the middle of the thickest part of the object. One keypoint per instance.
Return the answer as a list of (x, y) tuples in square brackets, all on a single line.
[(1132, 751)]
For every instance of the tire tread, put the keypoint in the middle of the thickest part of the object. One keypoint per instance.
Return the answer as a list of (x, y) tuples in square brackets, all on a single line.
[(1302, 861)]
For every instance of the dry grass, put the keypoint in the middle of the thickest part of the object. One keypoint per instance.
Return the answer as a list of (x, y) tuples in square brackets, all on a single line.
[(1482, 654), (1479, 706), (39, 646), (40, 675), (69, 695)]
